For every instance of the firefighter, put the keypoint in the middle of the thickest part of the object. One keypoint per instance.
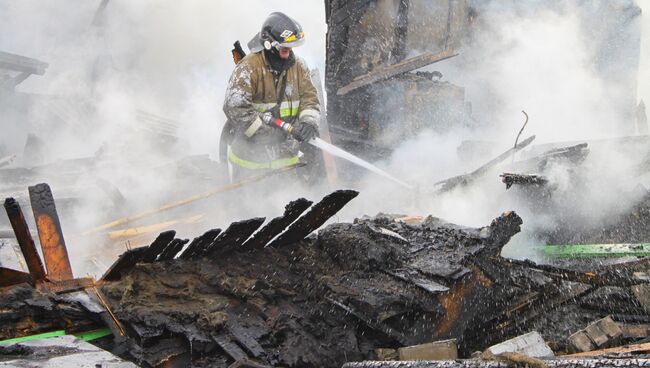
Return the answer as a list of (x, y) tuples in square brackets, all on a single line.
[(268, 84)]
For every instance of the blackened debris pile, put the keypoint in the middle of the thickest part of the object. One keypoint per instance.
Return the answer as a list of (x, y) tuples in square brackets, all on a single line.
[(269, 295), (315, 302)]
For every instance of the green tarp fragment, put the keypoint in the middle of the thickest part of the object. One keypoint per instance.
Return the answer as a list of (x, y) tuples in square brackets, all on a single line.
[(596, 250), (85, 336), (93, 335), (34, 337)]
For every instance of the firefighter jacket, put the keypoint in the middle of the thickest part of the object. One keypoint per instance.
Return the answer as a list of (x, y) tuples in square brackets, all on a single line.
[(253, 89)]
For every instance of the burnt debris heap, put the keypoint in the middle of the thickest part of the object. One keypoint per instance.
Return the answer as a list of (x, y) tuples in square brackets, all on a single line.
[(269, 295)]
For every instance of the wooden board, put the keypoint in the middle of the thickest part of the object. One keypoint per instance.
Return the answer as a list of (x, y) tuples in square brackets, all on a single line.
[(24, 238), (291, 212), (388, 71), (234, 236), (317, 216), (55, 252)]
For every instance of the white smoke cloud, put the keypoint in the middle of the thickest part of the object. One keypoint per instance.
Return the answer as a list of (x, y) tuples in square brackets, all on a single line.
[(168, 58), (543, 58)]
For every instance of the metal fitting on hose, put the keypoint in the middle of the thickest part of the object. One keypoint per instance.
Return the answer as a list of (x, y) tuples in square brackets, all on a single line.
[(268, 119)]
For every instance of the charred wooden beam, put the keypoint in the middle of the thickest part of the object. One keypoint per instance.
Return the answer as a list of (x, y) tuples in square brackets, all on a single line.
[(451, 183), (621, 274), (511, 179), (317, 216), (24, 237), (389, 71), (172, 249), (50, 234), (245, 340), (234, 236), (9, 277), (66, 286), (575, 155), (124, 263), (291, 212), (199, 244), (230, 347), (158, 246)]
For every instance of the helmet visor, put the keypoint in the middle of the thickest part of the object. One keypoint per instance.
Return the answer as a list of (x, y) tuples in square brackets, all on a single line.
[(292, 44), (290, 39)]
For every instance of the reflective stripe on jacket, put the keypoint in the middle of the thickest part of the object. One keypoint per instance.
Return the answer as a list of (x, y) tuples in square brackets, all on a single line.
[(252, 90), (251, 165)]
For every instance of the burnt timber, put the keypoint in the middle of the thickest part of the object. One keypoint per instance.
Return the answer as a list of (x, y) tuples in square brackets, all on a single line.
[(319, 301)]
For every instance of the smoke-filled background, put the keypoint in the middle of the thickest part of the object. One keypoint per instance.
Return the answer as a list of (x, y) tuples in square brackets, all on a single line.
[(108, 72)]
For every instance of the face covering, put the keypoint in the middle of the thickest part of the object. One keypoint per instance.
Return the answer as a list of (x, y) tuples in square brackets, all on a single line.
[(277, 64)]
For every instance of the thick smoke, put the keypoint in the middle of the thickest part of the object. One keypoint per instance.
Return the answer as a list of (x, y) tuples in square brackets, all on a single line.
[(574, 72), (172, 59), (106, 71)]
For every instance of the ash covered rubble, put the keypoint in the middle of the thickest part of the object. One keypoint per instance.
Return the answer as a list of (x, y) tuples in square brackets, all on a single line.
[(245, 296)]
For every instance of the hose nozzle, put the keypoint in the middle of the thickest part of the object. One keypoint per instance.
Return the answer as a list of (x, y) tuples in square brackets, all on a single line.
[(268, 119)]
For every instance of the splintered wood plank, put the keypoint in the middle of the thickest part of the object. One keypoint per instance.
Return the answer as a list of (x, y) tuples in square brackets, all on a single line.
[(315, 218), (172, 249), (234, 236), (230, 347), (124, 263), (200, 243), (451, 183), (385, 72), (291, 212), (24, 238), (50, 234), (158, 246), (632, 349), (244, 339)]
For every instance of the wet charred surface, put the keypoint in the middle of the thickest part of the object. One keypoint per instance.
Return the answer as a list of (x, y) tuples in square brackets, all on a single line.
[(325, 300), (25, 310), (318, 302)]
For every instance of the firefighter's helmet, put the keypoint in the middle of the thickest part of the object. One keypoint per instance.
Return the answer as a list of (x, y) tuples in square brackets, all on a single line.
[(280, 30)]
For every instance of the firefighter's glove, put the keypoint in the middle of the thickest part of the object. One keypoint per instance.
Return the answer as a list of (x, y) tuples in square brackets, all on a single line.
[(304, 132)]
